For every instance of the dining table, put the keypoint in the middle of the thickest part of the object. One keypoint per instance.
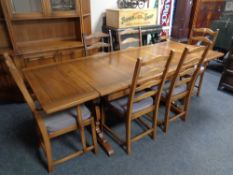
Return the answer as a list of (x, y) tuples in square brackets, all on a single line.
[(62, 85)]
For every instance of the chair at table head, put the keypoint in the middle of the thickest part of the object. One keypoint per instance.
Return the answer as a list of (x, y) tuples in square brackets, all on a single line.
[(97, 43), (179, 90), (129, 38), (201, 36), (54, 125)]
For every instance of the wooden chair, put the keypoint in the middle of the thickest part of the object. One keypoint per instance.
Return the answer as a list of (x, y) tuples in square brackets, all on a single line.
[(95, 44), (141, 100), (178, 91), (57, 124), (203, 36), (129, 38)]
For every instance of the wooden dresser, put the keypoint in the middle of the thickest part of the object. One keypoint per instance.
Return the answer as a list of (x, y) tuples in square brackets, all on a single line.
[(190, 14), (42, 32), (227, 75)]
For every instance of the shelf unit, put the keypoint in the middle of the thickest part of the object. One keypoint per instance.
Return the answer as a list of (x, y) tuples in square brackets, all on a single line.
[(38, 32)]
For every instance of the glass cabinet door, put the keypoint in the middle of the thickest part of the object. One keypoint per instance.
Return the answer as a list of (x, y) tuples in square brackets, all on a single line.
[(26, 6), (63, 6)]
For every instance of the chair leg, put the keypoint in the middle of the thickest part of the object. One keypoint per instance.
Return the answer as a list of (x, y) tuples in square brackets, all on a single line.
[(103, 117), (46, 140), (200, 84), (83, 140), (128, 136), (154, 125), (94, 138), (167, 117), (48, 150)]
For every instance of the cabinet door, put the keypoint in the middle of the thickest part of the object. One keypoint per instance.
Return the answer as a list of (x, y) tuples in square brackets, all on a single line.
[(25, 8), (208, 12), (182, 13), (64, 7)]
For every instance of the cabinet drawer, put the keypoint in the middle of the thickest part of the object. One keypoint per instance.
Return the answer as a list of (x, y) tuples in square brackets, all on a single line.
[(38, 59), (71, 54)]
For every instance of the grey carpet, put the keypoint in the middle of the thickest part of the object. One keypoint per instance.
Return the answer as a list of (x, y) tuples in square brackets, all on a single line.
[(201, 146)]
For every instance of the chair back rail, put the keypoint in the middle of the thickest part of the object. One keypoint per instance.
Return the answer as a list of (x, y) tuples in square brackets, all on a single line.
[(144, 79), (188, 67), (19, 81), (97, 42), (184, 78), (204, 35), (129, 38)]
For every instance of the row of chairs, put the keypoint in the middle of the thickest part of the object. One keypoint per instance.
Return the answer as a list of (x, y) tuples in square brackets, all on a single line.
[(133, 38), (144, 97)]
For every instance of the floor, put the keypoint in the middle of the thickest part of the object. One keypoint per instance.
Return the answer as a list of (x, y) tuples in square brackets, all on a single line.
[(201, 146)]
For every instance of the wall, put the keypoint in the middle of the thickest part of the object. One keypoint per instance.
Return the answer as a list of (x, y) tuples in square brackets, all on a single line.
[(98, 7)]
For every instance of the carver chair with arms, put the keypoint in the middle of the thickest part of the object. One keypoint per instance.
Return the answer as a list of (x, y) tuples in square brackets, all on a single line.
[(57, 124)]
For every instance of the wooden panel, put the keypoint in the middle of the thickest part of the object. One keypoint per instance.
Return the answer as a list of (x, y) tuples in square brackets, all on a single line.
[(180, 27), (4, 37), (25, 31), (8, 88), (87, 24), (209, 11), (86, 7), (205, 11)]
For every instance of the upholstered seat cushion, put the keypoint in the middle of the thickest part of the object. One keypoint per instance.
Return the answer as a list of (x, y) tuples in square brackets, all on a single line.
[(176, 91), (121, 104), (64, 119), (202, 68)]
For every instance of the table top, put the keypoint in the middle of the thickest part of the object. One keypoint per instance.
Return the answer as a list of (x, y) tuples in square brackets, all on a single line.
[(63, 85)]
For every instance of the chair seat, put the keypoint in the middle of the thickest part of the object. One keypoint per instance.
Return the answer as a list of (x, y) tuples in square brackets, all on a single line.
[(121, 104), (64, 119), (202, 68), (176, 91)]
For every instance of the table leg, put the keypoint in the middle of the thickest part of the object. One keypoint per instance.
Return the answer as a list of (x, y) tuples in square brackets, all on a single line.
[(100, 135)]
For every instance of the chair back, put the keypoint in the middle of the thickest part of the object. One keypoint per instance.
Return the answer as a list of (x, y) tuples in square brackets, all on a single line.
[(149, 74), (17, 76), (203, 36), (129, 38), (187, 71), (97, 43)]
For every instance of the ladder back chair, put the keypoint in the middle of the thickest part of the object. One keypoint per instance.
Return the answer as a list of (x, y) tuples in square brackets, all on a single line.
[(141, 100), (178, 90), (129, 38), (203, 36), (52, 126), (95, 44)]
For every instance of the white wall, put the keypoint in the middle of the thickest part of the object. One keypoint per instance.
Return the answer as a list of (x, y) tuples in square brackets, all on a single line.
[(98, 8)]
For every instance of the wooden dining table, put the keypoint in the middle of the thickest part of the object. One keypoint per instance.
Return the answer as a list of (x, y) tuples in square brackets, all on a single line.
[(63, 85)]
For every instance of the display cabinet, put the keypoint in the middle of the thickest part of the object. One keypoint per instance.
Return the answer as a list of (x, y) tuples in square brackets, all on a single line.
[(39, 32), (206, 11)]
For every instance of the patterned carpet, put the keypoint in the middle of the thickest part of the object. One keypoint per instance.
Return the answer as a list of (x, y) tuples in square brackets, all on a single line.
[(201, 146)]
